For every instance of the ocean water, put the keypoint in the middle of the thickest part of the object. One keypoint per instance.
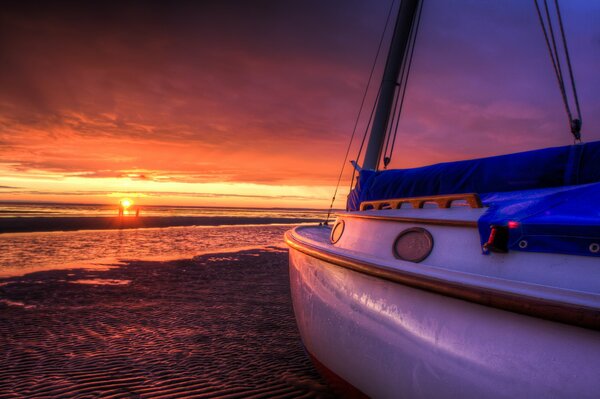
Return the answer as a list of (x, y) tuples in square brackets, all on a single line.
[(20, 209), (22, 253)]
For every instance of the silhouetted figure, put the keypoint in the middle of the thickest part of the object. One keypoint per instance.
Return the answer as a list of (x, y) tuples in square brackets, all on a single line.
[(121, 209), (137, 211)]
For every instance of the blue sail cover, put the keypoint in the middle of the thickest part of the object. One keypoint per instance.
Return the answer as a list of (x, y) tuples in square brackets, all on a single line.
[(563, 219), (553, 194)]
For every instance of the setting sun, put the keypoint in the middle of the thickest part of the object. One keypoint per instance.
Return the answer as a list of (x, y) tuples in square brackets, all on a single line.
[(126, 203)]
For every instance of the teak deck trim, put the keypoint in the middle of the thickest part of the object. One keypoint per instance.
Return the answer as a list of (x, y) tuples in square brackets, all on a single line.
[(577, 315), (442, 201), (436, 222)]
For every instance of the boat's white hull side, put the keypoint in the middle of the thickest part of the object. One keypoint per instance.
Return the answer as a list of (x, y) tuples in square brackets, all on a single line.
[(392, 341)]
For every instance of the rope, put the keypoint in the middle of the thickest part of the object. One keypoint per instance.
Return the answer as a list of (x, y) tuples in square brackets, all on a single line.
[(574, 123), (359, 112)]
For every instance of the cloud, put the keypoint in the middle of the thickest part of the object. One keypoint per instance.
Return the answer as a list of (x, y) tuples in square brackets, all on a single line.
[(196, 93), (160, 194), (267, 92)]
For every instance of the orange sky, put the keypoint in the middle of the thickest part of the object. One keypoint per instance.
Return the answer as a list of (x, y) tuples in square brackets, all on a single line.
[(230, 103)]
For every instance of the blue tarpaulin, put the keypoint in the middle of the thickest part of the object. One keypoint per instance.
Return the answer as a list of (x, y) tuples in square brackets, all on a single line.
[(559, 220), (552, 193)]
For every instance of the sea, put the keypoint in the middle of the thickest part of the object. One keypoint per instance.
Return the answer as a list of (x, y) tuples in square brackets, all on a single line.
[(25, 209), (22, 253)]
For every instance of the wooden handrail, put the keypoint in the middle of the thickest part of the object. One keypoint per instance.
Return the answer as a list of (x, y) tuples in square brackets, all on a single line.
[(442, 201)]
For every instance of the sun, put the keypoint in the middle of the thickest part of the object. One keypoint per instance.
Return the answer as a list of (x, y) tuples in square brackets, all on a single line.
[(126, 203)]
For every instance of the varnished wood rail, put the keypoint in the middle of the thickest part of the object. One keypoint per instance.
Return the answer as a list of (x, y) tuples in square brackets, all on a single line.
[(442, 201)]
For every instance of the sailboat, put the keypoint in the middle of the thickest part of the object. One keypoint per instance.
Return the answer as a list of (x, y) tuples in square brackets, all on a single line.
[(468, 279)]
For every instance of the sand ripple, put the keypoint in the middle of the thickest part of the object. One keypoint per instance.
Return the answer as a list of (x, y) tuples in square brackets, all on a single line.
[(201, 328)]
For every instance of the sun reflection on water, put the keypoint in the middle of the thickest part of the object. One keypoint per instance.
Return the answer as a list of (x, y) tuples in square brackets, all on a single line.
[(26, 252)]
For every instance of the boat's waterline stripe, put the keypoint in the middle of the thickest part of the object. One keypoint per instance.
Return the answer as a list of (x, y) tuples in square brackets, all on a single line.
[(547, 309), (436, 222)]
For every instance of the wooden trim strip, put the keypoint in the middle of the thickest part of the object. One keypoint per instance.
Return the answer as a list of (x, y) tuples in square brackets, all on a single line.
[(577, 315), (442, 201), (437, 222)]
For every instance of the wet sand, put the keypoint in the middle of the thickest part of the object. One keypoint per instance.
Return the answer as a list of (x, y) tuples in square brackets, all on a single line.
[(216, 326), (34, 224)]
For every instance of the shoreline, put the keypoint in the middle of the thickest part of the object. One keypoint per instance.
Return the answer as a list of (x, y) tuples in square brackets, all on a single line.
[(107, 263), (75, 223)]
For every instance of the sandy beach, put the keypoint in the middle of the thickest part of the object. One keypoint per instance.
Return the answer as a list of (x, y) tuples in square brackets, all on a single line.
[(215, 326)]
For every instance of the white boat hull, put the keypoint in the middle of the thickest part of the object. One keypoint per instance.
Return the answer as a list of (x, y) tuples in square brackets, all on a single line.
[(389, 340)]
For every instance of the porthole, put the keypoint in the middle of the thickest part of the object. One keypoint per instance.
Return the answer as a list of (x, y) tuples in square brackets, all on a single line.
[(413, 245), (337, 231)]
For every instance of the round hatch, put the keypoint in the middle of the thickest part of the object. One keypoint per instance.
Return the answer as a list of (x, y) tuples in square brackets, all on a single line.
[(413, 245), (337, 231)]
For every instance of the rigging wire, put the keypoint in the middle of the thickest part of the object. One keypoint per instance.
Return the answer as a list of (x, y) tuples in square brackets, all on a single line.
[(404, 83), (549, 36), (360, 111), (369, 126), (362, 143), (568, 59), (394, 107), (386, 159)]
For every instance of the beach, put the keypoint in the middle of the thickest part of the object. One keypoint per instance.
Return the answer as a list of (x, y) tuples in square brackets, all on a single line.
[(217, 325)]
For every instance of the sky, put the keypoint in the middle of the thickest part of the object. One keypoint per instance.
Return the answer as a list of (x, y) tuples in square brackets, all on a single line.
[(252, 103)]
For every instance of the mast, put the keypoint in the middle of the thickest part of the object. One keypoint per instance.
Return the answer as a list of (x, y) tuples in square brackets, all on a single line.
[(406, 14)]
